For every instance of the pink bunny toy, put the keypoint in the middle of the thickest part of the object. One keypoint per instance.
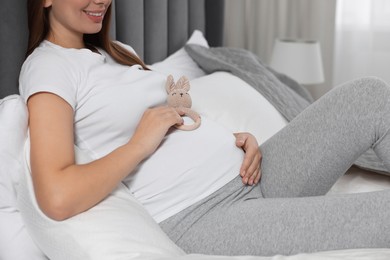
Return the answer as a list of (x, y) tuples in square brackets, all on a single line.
[(179, 98)]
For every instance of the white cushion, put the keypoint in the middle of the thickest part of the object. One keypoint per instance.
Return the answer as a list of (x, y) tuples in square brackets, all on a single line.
[(15, 242), (233, 103), (13, 126), (13, 132), (117, 228), (180, 63)]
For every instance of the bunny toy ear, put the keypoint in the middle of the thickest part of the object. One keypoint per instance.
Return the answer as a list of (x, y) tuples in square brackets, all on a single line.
[(183, 83), (170, 84)]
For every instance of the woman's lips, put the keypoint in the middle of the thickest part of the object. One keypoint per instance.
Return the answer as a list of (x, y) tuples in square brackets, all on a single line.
[(95, 16)]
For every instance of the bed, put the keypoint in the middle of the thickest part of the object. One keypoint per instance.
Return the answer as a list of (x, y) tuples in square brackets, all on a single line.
[(158, 30)]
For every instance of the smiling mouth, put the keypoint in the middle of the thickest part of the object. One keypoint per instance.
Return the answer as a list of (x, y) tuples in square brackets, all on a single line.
[(95, 14)]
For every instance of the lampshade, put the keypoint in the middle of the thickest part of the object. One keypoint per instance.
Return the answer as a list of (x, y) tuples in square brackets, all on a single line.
[(300, 60)]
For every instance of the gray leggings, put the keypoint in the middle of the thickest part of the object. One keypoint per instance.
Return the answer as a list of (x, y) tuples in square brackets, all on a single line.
[(287, 213)]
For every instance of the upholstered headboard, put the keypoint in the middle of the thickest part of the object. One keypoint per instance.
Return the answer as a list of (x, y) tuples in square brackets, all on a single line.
[(154, 28)]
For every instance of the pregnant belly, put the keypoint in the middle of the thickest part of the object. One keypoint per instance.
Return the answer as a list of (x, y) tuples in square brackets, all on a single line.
[(188, 166)]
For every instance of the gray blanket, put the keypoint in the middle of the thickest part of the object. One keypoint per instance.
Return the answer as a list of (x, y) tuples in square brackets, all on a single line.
[(285, 94)]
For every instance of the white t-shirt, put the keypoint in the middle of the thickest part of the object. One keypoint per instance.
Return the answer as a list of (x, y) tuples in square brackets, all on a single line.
[(108, 100)]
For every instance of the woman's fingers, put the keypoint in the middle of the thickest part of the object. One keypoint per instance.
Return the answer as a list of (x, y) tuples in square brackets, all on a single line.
[(252, 173), (250, 168), (153, 127), (248, 165), (254, 179), (166, 115)]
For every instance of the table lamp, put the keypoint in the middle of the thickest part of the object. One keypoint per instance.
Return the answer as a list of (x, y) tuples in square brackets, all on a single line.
[(299, 59)]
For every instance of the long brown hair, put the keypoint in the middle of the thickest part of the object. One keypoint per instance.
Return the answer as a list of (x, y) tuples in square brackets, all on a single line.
[(39, 27)]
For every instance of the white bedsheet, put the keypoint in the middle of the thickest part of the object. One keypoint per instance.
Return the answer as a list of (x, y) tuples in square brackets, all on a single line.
[(351, 254)]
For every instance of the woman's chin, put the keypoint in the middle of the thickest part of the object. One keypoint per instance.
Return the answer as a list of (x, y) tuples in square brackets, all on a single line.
[(93, 29)]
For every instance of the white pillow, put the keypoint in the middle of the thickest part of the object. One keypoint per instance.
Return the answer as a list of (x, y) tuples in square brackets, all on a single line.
[(117, 228), (13, 132), (232, 102), (15, 242), (180, 63)]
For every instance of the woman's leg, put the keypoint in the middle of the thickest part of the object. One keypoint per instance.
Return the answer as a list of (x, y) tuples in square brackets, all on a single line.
[(236, 220), (308, 156)]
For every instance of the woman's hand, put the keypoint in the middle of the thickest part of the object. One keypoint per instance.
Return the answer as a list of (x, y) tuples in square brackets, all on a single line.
[(250, 169), (153, 127)]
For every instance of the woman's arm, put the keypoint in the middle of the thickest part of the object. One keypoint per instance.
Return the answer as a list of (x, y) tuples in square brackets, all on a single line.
[(64, 189), (251, 167)]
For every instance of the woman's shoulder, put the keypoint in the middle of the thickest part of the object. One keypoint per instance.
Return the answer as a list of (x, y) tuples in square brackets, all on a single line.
[(48, 69), (46, 57)]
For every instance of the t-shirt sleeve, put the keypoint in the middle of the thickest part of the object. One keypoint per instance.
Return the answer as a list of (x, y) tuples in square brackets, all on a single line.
[(48, 72)]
